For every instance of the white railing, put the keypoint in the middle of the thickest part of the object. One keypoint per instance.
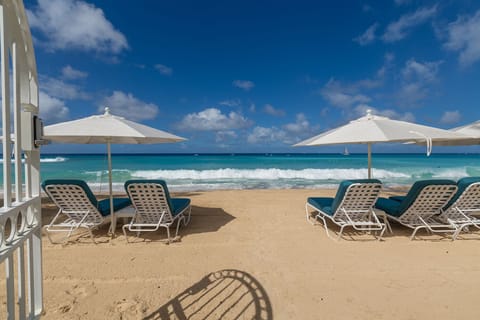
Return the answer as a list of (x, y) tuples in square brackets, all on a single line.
[(20, 215)]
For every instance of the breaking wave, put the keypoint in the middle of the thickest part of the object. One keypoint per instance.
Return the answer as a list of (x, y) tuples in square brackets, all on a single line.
[(265, 174)]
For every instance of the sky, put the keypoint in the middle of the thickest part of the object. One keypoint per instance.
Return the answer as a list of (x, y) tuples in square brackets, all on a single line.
[(256, 76)]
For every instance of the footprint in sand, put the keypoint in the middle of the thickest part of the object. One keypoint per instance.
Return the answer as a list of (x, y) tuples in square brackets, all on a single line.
[(129, 308)]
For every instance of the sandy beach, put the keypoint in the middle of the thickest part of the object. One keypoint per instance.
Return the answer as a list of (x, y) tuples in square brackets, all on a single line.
[(251, 255)]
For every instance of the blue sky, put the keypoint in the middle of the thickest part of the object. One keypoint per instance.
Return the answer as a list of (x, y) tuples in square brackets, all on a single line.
[(256, 76)]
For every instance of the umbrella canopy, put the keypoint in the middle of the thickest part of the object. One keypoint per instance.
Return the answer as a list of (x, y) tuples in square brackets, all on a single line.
[(107, 129), (375, 129), (470, 131)]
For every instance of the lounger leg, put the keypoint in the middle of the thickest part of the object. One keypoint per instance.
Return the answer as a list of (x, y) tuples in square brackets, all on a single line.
[(48, 234), (386, 222), (91, 235), (460, 229), (415, 231), (168, 234), (319, 216), (382, 232), (178, 225), (309, 216), (340, 233), (187, 220), (125, 226)]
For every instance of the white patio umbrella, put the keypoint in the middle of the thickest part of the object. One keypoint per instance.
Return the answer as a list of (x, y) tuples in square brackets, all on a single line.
[(375, 129), (470, 131), (107, 129)]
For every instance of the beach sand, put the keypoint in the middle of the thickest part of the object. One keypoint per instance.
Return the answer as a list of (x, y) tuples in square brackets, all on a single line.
[(251, 254)]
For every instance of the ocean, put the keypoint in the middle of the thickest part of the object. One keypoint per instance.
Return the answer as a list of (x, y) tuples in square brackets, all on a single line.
[(198, 172)]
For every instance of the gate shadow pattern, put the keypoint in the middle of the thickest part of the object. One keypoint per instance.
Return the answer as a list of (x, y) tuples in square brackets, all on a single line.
[(225, 294)]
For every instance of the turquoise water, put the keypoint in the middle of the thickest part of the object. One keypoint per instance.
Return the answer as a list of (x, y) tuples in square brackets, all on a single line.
[(257, 171)]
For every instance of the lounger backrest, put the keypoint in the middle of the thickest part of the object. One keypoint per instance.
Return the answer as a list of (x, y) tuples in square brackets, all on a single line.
[(467, 200), (74, 198), (151, 199), (427, 200), (356, 197)]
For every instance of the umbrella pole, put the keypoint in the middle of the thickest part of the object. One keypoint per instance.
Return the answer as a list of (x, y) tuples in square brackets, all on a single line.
[(112, 214), (369, 150)]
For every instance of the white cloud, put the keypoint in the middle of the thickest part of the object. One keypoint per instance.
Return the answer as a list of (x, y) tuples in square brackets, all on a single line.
[(341, 96), (163, 69), (212, 119), (52, 109), (402, 2), (60, 89), (387, 64), (230, 103), (411, 94), (426, 71), (368, 36), (361, 110), (451, 117), (243, 84), (252, 108), (289, 133), (417, 78), (264, 135), (70, 24), (225, 136), (126, 105), (366, 8), (399, 29), (271, 110), (300, 126), (70, 73), (464, 37)]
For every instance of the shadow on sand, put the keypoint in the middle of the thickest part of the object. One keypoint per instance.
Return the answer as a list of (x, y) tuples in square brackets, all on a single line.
[(225, 294), (203, 220)]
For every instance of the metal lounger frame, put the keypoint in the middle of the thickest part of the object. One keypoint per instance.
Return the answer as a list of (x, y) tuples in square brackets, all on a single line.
[(75, 204), (152, 210), (355, 210), (423, 211), (460, 214)]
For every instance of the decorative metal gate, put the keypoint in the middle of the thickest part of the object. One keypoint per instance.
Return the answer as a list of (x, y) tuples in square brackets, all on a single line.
[(20, 215)]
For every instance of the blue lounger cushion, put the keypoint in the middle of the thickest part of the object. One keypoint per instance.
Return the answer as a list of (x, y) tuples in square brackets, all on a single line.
[(462, 185), (397, 198), (324, 204), (176, 205), (390, 206), (330, 205), (118, 204), (103, 206), (179, 204), (397, 208)]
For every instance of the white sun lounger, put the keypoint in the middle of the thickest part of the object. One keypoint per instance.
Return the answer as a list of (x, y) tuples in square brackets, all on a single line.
[(80, 207), (420, 207), (464, 209), (154, 208), (351, 207)]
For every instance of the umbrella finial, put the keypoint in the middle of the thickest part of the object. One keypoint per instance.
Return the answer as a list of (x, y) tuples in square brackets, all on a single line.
[(107, 111), (369, 112)]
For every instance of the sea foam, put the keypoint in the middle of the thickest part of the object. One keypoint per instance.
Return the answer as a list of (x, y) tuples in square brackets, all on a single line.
[(265, 174)]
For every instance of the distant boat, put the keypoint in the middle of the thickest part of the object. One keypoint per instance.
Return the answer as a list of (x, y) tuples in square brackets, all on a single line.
[(345, 152)]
